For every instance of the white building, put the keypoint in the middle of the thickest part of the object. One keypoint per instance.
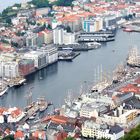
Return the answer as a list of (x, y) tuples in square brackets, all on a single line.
[(93, 25), (119, 116), (15, 114), (38, 57), (31, 39), (58, 35), (61, 36), (69, 38), (9, 69), (91, 129), (93, 109), (51, 54)]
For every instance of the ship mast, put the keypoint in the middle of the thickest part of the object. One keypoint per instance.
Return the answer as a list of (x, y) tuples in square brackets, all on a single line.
[(29, 97)]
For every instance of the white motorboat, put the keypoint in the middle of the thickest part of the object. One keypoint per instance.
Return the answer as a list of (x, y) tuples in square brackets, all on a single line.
[(3, 90)]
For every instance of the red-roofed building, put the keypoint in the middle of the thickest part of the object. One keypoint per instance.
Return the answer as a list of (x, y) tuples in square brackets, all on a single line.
[(19, 135), (130, 88), (40, 135), (16, 115), (7, 131)]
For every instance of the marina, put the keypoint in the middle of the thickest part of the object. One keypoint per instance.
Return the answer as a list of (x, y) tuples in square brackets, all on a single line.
[(93, 96), (83, 71), (67, 55)]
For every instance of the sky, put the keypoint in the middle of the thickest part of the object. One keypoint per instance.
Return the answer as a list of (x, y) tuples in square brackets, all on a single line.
[(6, 3)]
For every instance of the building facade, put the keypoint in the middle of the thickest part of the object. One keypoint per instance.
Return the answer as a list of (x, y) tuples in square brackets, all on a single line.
[(9, 69), (90, 129), (93, 25)]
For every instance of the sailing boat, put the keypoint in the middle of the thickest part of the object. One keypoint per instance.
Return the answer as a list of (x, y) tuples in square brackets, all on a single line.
[(3, 87)]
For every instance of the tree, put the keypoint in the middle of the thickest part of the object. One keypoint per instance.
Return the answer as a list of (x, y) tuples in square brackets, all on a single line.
[(63, 2), (69, 138), (9, 137), (133, 134), (68, 29), (49, 27), (40, 3)]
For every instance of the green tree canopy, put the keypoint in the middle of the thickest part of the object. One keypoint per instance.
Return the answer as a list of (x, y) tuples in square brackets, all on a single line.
[(40, 3), (69, 138), (134, 134)]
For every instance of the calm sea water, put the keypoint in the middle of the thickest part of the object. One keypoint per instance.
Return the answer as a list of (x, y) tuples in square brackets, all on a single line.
[(62, 77)]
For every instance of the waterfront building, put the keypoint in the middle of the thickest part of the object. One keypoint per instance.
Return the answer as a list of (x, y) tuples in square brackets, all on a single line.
[(93, 109), (9, 69), (58, 35), (93, 25), (69, 38), (96, 96), (38, 57), (109, 21), (26, 66), (91, 129), (51, 54), (15, 114), (61, 36), (69, 112)]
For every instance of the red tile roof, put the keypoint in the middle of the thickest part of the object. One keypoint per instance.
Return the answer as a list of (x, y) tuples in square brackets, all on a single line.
[(19, 134)]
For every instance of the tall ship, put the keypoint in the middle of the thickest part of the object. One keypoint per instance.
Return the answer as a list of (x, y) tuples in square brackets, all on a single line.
[(133, 58), (3, 88), (43, 105)]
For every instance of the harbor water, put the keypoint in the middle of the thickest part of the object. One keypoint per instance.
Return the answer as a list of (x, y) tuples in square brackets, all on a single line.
[(55, 81)]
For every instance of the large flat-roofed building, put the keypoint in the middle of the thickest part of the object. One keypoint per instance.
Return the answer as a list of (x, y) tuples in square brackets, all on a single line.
[(91, 129), (89, 110)]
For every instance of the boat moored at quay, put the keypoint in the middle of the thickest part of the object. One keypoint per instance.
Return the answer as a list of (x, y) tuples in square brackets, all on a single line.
[(3, 90)]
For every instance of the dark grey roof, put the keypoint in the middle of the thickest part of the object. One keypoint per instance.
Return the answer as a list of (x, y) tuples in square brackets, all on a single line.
[(66, 127), (133, 103), (115, 129), (60, 27)]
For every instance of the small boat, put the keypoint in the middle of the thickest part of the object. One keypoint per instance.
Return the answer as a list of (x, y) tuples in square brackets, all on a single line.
[(19, 83), (40, 78), (94, 45), (3, 90), (31, 118), (127, 30)]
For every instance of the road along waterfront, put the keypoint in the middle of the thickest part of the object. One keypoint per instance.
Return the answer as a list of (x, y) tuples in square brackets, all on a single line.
[(54, 81)]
